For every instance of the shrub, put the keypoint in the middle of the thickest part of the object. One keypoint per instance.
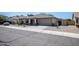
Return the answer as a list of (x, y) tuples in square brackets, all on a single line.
[(71, 22)]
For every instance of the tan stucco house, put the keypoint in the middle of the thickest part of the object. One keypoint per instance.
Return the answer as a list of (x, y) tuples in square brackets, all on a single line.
[(39, 19), (76, 18)]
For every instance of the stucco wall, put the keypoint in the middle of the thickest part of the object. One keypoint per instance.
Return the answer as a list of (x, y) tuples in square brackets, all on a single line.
[(76, 18), (54, 21)]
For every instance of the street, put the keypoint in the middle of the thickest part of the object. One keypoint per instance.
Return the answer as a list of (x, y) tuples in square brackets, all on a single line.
[(14, 37)]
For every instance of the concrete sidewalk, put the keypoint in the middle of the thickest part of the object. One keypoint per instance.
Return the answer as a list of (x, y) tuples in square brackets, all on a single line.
[(67, 34)]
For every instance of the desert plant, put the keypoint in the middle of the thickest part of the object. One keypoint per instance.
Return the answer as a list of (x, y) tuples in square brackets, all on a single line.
[(71, 22)]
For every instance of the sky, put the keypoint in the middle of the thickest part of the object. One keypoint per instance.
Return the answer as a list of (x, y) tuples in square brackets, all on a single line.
[(64, 15)]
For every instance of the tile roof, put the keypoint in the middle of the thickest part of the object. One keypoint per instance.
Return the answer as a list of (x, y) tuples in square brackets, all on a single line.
[(35, 16)]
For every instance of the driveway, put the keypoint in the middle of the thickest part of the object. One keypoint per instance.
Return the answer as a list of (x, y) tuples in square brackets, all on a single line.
[(14, 37)]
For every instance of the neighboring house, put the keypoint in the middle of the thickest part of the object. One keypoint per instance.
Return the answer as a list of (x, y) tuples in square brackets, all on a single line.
[(75, 17), (39, 19)]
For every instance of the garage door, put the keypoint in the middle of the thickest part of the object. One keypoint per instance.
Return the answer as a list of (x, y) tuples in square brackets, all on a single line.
[(44, 22)]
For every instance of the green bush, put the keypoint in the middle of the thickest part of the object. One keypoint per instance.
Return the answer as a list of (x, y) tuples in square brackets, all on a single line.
[(3, 18), (71, 22)]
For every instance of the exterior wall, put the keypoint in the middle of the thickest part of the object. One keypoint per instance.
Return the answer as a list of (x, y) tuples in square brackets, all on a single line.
[(45, 21), (40, 21), (76, 18), (77, 22), (36, 20), (54, 21)]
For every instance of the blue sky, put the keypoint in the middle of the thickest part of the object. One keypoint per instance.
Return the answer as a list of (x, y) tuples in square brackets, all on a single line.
[(64, 15)]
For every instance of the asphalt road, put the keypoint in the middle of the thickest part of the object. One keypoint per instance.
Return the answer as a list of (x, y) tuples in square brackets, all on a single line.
[(13, 37)]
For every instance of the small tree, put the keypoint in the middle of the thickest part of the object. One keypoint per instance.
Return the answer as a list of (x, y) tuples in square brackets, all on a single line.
[(70, 22), (3, 18)]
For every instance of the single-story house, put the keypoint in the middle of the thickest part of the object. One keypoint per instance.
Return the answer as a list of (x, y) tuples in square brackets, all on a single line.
[(75, 17), (39, 19)]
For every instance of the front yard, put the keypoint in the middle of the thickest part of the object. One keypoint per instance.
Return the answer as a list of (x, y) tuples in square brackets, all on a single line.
[(72, 29)]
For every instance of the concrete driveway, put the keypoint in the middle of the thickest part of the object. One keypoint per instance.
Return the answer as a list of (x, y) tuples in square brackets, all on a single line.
[(13, 37)]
